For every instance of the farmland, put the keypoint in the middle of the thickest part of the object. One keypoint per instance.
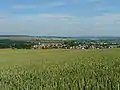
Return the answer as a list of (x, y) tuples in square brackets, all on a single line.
[(60, 69)]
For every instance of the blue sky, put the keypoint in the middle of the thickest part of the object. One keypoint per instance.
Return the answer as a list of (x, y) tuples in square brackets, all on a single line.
[(60, 17)]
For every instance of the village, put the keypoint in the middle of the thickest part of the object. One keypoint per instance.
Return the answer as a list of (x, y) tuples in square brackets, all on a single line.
[(59, 44), (75, 45)]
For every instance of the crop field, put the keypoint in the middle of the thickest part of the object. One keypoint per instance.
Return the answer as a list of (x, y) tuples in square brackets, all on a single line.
[(60, 69)]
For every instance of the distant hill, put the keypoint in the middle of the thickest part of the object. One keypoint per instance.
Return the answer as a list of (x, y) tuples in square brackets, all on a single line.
[(81, 37), (14, 36), (27, 37)]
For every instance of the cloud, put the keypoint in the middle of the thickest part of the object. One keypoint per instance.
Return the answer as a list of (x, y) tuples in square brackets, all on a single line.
[(62, 24), (56, 4), (107, 19), (94, 0), (4, 15), (24, 7), (36, 6), (56, 16)]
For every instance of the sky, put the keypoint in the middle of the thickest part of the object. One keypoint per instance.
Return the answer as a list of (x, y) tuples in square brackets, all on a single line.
[(60, 17)]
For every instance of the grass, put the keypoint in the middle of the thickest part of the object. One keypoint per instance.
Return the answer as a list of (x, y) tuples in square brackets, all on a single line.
[(60, 69)]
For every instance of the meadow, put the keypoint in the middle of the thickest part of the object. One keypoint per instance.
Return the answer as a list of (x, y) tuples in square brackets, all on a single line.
[(60, 69)]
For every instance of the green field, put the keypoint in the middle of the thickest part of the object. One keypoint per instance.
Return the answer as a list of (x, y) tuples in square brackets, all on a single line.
[(60, 69)]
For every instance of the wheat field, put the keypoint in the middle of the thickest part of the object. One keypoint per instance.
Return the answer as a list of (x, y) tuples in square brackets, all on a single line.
[(60, 69)]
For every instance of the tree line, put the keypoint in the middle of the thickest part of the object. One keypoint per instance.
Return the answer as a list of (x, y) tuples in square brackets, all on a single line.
[(5, 43)]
